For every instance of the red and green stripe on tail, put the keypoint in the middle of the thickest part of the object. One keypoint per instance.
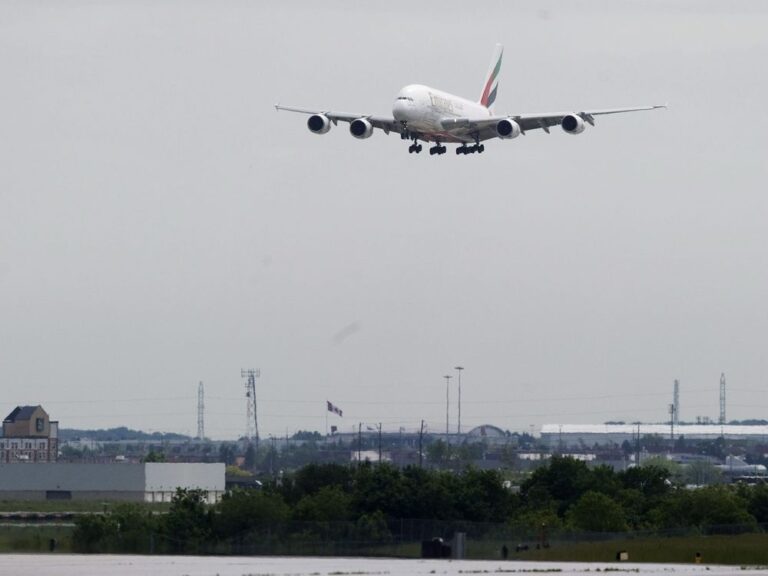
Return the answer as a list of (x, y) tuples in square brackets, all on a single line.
[(492, 83)]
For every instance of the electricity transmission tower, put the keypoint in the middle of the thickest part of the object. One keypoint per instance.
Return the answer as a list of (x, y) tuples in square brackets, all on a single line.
[(252, 419)]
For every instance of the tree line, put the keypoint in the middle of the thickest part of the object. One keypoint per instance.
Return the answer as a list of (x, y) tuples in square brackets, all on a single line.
[(370, 503)]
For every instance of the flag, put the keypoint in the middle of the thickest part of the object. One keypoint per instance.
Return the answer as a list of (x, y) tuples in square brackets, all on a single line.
[(334, 409), (334, 429)]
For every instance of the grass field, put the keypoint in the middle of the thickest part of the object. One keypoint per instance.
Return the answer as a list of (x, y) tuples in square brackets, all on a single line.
[(35, 538), (54, 506)]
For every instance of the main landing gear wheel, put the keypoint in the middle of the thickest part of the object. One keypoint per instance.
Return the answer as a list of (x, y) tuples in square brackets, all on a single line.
[(414, 148), (437, 149), (464, 149)]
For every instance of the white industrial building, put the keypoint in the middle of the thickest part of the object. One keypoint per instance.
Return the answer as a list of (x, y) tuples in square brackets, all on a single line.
[(150, 482), (587, 435)]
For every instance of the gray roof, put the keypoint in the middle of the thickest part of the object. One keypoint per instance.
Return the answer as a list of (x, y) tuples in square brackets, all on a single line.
[(691, 430), (21, 413)]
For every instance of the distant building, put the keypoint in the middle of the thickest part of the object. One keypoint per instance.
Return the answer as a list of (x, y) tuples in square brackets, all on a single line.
[(150, 482), (587, 435), (29, 435), (489, 434)]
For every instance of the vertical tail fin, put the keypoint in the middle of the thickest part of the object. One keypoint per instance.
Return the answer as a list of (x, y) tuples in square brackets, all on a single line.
[(491, 86)]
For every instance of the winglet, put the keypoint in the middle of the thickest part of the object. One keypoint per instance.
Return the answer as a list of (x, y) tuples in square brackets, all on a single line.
[(491, 86)]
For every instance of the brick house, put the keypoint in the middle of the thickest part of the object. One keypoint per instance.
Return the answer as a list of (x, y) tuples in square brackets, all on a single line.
[(29, 435)]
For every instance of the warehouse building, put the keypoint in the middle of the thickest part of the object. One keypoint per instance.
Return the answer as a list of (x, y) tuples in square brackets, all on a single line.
[(150, 482), (588, 435)]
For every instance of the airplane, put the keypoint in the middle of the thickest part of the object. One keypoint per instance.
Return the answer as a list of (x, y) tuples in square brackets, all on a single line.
[(421, 113)]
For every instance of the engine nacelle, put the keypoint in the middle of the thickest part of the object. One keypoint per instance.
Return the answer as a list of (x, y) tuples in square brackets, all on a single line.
[(507, 128), (361, 128), (572, 124), (319, 123)]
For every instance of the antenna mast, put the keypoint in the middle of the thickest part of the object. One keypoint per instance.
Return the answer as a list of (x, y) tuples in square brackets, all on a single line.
[(200, 412), (676, 400), (722, 398)]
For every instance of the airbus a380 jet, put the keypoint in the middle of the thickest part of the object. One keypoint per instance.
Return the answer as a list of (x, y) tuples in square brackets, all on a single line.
[(430, 115)]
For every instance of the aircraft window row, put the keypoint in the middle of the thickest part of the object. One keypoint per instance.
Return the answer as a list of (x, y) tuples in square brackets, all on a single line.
[(405, 98)]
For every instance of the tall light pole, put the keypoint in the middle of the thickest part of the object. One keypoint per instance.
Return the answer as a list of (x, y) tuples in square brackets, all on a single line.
[(459, 369), (447, 399)]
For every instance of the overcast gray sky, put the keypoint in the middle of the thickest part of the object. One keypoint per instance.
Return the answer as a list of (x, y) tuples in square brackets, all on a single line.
[(161, 224)]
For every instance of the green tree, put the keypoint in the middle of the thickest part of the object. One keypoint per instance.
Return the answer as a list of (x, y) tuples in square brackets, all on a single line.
[(241, 511), (439, 453), (136, 527), (227, 454), (482, 496), (307, 435), (649, 479), (249, 462), (188, 524), (758, 503), (329, 504), (428, 494), (701, 474), (91, 533), (312, 478), (673, 469), (153, 456), (563, 480), (528, 521), (596, 512), (373, 528), (705, 507), (380, 487)]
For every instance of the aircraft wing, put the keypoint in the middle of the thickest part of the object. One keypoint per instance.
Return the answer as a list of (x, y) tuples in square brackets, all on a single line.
[(545, 121), (485, 128), (385, 123)]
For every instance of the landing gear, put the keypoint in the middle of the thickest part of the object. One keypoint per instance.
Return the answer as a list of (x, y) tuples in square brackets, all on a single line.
[(464, 149), (404, 133), (414, 148), (437, 149)]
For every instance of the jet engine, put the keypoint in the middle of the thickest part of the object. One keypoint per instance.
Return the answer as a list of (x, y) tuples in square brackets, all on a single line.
[(319, 123), (507, 128), (572, 124), (360, 128)]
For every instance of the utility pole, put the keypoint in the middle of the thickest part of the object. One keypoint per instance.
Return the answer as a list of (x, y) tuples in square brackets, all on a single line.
[(459, 370), (421, 443), (672, 422), (447, 402), (200, 412), (252, 419)]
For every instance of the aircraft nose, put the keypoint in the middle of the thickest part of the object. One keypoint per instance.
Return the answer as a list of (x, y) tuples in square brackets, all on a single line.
[(397, 108), (400, 109)]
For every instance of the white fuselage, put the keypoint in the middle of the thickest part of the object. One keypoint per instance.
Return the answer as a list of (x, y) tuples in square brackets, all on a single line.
[(422, 109)]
